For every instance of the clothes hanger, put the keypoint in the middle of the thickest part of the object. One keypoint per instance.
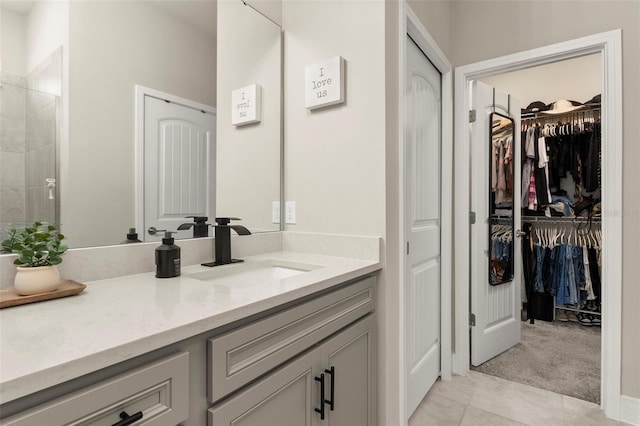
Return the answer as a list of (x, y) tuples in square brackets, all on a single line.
[(558, 236)]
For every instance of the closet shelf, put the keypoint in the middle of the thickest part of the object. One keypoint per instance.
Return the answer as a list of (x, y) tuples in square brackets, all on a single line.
[(535, 115), (560, 219)]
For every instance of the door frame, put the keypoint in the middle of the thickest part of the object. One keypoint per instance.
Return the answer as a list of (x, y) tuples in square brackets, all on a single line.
[(140, 93), (411, 26), (609, 45)]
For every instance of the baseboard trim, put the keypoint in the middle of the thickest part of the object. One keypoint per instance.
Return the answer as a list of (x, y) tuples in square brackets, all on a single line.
[(630, 409)]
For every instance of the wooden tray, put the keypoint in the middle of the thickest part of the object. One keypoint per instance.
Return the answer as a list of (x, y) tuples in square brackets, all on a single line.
[(9, 297)]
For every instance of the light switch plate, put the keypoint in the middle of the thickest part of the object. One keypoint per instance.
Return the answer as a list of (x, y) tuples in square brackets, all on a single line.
[(275, 212), (290, 212)]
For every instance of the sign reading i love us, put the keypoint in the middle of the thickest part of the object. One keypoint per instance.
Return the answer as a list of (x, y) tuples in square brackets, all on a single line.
[(324, 83)]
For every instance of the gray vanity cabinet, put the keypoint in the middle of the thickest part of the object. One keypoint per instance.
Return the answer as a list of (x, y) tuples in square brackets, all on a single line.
[(352, 354), (285, 398), (275, 368), (154, 394), (292, 395)]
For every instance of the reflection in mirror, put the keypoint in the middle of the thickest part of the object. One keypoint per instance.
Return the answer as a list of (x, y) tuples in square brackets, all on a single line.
[(29, 136), (501, 166), (248, 183), (107, 48)]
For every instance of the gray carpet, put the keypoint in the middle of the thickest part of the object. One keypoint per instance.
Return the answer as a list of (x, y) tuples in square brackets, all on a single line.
[(560, 357)]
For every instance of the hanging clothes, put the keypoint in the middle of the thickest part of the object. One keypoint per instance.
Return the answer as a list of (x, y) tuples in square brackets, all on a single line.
[(502, 171), (501, 263), (563, 263)]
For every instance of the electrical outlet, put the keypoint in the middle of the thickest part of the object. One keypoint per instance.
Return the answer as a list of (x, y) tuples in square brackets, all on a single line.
[(275, 212), (290, 212)]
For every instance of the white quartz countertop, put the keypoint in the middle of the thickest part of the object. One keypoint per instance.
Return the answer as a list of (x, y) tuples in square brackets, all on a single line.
[(48, 343)]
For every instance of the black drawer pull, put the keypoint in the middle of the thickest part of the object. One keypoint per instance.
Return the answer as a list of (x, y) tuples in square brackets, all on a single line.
[(331, 401), (321, 409), (128, 419)]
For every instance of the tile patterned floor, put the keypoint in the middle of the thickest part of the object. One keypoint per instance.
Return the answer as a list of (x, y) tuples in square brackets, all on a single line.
[(478, 399)]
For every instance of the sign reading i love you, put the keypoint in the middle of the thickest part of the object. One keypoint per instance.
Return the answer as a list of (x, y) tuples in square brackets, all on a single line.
[(324, 83)]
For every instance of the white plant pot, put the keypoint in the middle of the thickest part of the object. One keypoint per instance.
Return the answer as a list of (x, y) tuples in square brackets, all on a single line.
[(34, 280)]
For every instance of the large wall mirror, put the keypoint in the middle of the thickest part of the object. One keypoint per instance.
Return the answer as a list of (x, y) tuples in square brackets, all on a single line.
[(69, 72), (501, 227)]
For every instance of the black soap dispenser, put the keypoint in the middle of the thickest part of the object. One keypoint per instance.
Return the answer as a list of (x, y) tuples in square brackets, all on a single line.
[(167, 257), (132, 237)]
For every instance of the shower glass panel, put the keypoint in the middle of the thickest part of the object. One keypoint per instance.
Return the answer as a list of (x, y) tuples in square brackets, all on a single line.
[(28, 142), (501, 166)]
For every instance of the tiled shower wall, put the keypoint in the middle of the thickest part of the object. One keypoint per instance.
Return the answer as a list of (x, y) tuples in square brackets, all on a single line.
[(29, 110), (12, 150)]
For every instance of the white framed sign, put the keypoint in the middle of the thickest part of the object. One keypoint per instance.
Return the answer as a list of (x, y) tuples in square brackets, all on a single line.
[(245, 105), (324, 83)]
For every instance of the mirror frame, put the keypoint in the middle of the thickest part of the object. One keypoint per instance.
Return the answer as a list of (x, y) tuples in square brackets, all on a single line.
[(493, 219)]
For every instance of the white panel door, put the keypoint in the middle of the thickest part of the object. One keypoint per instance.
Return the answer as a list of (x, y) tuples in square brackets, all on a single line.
[(496, 308), (179, 166), (422, 160)]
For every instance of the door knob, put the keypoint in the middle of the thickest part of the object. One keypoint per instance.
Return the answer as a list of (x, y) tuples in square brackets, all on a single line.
[(153, 231), (520, 233)]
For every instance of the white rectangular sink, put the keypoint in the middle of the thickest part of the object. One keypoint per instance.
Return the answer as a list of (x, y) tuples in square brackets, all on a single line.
[(264, 271)]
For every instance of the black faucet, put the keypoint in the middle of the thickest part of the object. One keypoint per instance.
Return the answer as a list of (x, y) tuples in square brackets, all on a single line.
[(200, 226), (223, 240)]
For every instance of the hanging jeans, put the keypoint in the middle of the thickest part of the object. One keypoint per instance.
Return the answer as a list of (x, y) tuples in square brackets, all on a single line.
[(559, 288), (538, 286), (567, 286), (581, 280)]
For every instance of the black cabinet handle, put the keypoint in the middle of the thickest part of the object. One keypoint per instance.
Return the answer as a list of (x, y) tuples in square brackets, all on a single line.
[(128, 419), (331, 401), (321, 409)]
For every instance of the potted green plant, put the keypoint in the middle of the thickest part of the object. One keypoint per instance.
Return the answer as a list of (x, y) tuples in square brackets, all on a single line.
[(39, 248)]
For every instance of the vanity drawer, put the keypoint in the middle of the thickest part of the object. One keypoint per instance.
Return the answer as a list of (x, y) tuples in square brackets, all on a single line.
[(238, 357), (159, 390)]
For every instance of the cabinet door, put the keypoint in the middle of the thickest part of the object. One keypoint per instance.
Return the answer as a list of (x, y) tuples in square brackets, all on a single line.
[(352, 356), (291, 394), (283, 398)]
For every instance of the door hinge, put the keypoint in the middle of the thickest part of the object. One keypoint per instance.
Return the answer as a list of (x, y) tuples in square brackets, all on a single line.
[(472, 115), (472, 217), (472, 320), (407, 248)]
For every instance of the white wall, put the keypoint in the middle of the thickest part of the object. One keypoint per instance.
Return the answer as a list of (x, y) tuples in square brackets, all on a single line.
[(47, 30), (272, 9), (248, 166), (13, 42), (334, 157), (487, 29), (578, 79), (114, 46), (436, 16)]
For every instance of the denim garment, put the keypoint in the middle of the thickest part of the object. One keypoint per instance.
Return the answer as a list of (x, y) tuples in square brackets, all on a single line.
[(562, 296), (538, 286), (572, 297), (555, 270), (581, 279), (578, 263), (566, 203), (547, 271)]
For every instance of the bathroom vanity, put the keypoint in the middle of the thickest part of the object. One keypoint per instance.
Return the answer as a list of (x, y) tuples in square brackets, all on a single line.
[(284, 338)]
